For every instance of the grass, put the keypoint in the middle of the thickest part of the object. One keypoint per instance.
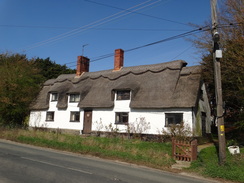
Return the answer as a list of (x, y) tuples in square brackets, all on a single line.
[(156, 155), (207, 165), (151, 154)]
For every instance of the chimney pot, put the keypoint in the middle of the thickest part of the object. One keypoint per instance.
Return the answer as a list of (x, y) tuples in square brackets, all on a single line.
[(118, 59)]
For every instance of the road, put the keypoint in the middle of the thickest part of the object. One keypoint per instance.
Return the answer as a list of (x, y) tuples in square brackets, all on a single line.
[(21, 163)]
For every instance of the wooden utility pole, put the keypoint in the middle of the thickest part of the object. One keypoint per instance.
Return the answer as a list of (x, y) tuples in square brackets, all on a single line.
[(217, 54)]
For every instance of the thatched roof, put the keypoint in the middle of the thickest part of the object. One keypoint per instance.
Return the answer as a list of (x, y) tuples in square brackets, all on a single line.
[(164, 85)]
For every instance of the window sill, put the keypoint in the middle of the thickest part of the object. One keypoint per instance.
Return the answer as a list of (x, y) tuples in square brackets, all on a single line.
[(168, 126), (121, 123)]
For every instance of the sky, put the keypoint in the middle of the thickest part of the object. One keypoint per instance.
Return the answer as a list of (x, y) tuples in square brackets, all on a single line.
[(65, 29)]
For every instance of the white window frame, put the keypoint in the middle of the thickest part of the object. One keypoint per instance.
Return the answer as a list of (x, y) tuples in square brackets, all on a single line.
[(123, 95), (50, 116), (74, 98), (122, 118), (54, 97), (74, 116), (173, 119)]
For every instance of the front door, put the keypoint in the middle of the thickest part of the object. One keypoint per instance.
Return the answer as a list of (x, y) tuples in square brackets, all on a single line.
[(87, 122)]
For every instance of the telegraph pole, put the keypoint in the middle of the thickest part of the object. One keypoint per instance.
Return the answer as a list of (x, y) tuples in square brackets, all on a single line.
[(217, 54)]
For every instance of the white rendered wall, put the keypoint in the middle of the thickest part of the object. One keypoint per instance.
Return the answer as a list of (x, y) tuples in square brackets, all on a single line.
[(61, 117), (102, 118), (154, 119)]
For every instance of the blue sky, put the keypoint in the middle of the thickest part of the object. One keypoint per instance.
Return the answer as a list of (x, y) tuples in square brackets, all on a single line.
[(64, 29)]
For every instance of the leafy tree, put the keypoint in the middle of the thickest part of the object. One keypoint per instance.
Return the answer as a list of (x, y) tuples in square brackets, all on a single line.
[(231, 29), (19, 84), (50, 69)]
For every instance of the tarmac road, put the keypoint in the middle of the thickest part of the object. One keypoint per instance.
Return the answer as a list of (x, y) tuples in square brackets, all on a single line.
[(21, 163)]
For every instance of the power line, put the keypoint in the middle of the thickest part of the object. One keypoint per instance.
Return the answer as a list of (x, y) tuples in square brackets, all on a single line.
[(167, 39), (113, 29), (182, 52), (143, 14), (206, 28), (92, 25)]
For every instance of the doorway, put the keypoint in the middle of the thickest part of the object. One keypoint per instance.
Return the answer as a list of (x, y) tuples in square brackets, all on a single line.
[(87, 125)]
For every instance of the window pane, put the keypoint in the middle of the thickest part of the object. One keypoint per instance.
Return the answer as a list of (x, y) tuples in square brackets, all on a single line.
[(173, 118), (74, 98), (54, 97), (121, 117), (123, 95), (50, 116), (75, 116)]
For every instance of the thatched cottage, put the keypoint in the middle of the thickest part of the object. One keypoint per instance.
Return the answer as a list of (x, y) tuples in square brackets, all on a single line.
[(142, 99)]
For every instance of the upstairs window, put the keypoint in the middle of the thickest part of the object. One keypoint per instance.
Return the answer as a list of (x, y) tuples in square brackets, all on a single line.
[(123, 95), (74, 116), (173, 119), (74, 98), (121, 118), (54, 97), (50, 116)]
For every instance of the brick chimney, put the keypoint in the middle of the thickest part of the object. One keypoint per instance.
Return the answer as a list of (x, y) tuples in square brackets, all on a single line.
[(118, 59), (82, 65)]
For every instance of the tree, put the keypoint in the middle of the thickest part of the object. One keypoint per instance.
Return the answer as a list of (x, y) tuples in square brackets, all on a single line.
[(19, 85), (231, 29), (50, 69)]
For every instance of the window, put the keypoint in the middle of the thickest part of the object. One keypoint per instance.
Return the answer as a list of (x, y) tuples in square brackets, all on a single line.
[(123, 95), (173, 118), (201, 95), (121, 117), (50, 116), (74, 98), (54, 97), (75, 116)]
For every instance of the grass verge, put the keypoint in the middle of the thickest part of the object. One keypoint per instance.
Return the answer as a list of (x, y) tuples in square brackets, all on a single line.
[(207, 165), (151, 154), (156, 155)]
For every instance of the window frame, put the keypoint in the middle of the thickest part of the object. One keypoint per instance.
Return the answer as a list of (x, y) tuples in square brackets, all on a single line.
[(48, 114), (123, 94), (120, 118), (174, 117), (54, 97), (74, 98), (73, 115)]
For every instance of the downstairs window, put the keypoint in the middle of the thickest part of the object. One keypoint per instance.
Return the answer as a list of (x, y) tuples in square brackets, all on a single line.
[(121, 118), (173, 119), (50, 116), (74, 116)]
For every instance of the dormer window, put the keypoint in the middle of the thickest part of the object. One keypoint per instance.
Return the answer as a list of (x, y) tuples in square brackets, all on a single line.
[(54, 97), (123, 95), (74, 98)]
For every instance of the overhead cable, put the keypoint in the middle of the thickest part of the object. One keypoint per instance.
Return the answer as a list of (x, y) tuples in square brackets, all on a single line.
[(206, 28), (143, 14), (93, 24)]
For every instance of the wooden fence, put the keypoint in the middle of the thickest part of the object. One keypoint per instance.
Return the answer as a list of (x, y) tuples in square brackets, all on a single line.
[(184, 150)]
